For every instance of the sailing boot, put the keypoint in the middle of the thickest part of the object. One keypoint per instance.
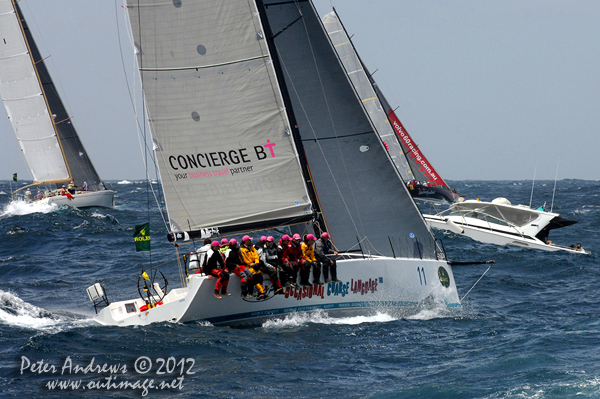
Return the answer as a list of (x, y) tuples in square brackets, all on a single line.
[(325, 266), (334, 273), (316, 274), (261, 292)]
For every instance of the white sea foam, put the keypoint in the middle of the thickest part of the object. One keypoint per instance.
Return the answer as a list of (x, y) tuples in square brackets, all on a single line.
[(429, 314), (321, 317), (23, 208), (16, 312), (124, 182)]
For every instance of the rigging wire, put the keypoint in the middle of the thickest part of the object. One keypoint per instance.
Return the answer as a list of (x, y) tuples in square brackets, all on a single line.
[(462, 299), (532, 185)]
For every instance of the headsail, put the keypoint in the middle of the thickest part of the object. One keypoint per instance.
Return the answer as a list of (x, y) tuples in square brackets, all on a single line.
[(43, 127), (406, 154), (366, 93), (359, 190), (222, 138)]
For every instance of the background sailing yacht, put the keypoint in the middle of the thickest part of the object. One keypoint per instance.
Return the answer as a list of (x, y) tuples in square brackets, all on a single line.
[(52, 149), (423, 181)]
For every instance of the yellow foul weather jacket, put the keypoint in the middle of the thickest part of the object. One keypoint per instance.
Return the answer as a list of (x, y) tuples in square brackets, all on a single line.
[(250, 257), (308, 252)]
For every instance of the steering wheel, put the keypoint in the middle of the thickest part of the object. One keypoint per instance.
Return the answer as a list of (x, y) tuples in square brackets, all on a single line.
[(152, 285)]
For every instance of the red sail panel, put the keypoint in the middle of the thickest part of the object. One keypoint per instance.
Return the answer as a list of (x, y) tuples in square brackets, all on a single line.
[(415, 156)]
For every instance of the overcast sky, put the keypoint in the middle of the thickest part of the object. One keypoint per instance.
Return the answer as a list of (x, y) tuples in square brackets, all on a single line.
[(488, 89)]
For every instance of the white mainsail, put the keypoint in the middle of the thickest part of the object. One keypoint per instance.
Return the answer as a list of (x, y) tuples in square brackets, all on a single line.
[(25, 104), (222, 138)]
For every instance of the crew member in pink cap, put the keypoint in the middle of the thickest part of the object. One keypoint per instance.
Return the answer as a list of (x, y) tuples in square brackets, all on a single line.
[(290, 266), (235, 265), (249, 257), (224, 246), (294, 254), (271, 260), (215, 266), (311, 262), (327, 256)]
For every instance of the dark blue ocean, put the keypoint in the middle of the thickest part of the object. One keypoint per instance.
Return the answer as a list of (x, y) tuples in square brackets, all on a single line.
[(529, 329)]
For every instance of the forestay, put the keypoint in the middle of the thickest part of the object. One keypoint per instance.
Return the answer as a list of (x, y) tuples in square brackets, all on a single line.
[(221, 134)]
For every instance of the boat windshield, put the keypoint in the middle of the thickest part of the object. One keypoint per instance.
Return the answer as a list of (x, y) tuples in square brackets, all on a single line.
[(484, 217), (510, 214)]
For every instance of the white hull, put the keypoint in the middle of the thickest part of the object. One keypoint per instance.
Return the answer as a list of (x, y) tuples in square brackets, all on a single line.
[(104, 198), (367, 284), (491, 233)]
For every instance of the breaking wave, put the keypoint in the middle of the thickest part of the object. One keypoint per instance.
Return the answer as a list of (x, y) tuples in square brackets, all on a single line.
[(23, 208)]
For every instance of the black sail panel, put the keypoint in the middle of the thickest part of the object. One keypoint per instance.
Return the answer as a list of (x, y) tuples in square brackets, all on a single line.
[(359, 190), (80, 166)]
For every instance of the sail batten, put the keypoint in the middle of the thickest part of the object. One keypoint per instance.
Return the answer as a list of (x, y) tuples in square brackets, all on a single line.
[(205, 66)]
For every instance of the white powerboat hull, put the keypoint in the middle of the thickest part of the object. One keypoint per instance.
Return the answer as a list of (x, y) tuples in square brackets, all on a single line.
[(367, 284), (492, 234), (104, 198)]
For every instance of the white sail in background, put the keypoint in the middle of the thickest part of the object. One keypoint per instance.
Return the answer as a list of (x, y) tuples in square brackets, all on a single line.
[(25, 104), (223, 143), (364, 89)]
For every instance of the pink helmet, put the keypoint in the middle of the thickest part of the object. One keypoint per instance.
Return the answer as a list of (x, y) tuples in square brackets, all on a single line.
[(244, 238), (233, 241), (263, 239), (311, 237), (270, 239), (215, 244), (324, 235), (296, 237), (224, 241), (286, 238)]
